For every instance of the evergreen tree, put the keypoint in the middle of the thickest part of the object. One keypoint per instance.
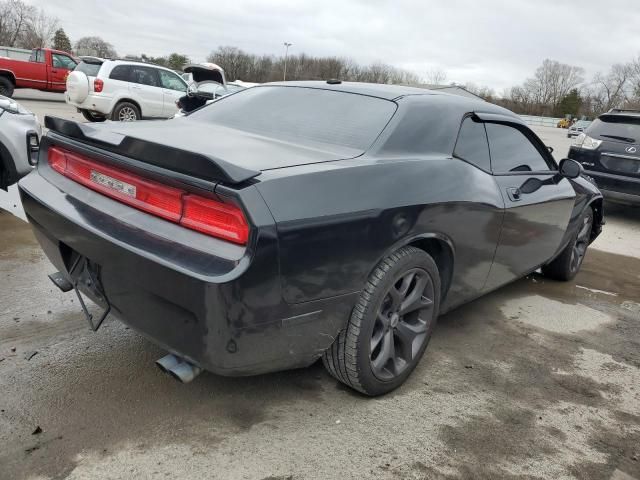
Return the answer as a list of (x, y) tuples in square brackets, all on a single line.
[(61, 41)]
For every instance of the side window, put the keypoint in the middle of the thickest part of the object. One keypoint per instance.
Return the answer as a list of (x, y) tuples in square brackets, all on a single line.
[(62, 61), (511, 150), (144, 76), (472, 145), (37, 56), (121, 72), (171, 81)]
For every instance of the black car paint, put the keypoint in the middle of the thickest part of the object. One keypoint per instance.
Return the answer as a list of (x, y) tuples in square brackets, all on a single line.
[(615, 169), (319, 227)]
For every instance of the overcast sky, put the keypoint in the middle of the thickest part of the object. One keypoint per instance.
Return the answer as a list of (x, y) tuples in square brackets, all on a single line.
[(488, 42)]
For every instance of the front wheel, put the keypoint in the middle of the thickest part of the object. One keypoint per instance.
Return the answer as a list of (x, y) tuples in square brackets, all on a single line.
[(390, 326), (567, 265)]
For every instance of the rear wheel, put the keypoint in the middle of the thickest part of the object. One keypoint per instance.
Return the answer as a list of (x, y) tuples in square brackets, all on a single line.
[(566, 265), (6, 87), (126, 112), (390, 326), (92, 117)]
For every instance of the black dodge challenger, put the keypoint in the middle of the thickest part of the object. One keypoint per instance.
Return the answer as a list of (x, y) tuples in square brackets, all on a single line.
[(296, 221)]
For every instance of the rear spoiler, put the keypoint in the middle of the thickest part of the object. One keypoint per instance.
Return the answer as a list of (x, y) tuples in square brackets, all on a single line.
[(205, 167)]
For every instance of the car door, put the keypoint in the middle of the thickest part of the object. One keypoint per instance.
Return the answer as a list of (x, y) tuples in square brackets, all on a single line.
[(146, 90), (61, 65), (173, 87), (538, 203)]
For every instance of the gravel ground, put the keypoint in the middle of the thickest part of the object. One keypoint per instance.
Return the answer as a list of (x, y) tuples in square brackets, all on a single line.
[(539, 379)]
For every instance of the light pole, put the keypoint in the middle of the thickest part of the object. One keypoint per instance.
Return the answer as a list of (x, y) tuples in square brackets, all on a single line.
[(286, 53)]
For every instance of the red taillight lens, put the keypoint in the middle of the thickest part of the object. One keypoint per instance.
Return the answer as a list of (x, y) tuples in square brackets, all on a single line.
[(98, 85), (57, 160), (205, 215), (215, 218)]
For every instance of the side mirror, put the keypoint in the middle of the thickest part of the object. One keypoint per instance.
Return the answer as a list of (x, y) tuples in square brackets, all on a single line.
[(570, 168)]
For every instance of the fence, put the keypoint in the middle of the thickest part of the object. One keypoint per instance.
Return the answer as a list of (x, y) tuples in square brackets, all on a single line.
[(540, 121)]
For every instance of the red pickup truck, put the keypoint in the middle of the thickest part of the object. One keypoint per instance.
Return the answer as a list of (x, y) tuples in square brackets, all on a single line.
[(45, 70)]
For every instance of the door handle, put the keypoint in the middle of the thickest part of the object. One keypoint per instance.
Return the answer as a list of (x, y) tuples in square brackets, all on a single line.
[(514, 194)]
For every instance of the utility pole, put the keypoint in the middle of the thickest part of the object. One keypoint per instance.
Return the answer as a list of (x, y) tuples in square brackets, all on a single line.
[(286, 54)]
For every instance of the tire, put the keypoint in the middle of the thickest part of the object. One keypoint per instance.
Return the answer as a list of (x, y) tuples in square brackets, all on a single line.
[(567, 265), (126, 112), (362, 356), (6, 87), (92, 117)]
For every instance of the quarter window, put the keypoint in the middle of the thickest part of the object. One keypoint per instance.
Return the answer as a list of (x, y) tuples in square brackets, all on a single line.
[(472, 145), (171, 81), (121, 72), (512, 151), (37, 56)]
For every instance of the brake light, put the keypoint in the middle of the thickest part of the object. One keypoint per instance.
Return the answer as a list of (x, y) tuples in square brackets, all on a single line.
[(192, 211), (215, 218), (98, 85)]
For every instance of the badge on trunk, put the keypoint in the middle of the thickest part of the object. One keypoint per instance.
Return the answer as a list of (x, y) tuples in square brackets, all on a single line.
[(113, 184)]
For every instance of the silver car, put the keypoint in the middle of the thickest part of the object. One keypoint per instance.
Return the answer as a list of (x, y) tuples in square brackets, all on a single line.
[(577, 128), (19, 141)]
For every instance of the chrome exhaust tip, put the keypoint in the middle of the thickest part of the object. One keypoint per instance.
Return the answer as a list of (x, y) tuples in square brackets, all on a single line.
[(185, 371), (178, 368), (167, 362)]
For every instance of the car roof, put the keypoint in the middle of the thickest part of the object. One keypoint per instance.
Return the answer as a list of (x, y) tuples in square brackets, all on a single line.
[(396, 92), (388, 92), (134, 62), (622, 112)]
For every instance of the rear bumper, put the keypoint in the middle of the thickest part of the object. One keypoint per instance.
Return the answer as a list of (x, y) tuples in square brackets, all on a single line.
[(222, 311), (94, 103), (618, 188)]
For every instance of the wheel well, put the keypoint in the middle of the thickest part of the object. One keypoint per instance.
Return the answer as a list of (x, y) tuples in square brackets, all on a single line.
[(442, 254), (598, 215), (8, 75)]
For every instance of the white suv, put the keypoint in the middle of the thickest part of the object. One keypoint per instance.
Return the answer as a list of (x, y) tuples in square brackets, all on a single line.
[(123, 90)]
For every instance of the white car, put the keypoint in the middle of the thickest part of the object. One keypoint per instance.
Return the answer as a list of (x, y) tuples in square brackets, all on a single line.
[(19, 140), (123, 90)]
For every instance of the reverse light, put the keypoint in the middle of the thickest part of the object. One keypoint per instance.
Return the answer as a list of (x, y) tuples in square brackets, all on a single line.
[(205, 215), (98, 85), (586, 142)]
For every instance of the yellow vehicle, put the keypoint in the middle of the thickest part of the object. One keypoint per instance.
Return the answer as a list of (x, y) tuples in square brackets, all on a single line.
[(564, 123)]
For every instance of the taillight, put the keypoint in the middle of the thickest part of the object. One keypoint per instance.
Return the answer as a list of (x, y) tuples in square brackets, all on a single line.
[(215, 218), (192, 211), (98, 85)]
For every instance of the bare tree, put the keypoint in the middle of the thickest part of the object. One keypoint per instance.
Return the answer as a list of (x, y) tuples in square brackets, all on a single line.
[(542, 93), (611, 90), (95, 46), (39, 30), (436, 76), (15, 16)]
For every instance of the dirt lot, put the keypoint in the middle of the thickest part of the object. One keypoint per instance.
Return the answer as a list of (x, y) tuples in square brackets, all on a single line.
[(537, 380)]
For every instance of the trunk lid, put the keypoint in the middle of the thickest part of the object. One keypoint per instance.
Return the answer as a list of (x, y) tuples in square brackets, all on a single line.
[(203, 150)]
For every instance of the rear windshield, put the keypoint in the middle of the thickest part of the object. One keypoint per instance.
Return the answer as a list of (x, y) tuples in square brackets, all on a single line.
[(89, 69), (307, 114), (616, 127)]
